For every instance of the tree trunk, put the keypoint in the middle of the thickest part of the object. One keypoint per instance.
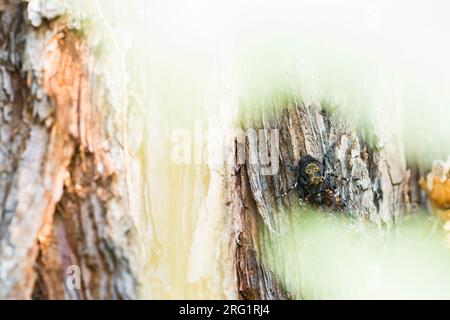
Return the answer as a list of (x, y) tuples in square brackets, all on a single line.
[(376, 189), (81, 218), (63, 189)]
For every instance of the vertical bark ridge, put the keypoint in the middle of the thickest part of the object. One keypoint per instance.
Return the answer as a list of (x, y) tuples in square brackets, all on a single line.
[(309, 129), (64, 196)]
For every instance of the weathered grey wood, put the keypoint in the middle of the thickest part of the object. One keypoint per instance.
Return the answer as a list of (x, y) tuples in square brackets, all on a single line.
[(375, 191)]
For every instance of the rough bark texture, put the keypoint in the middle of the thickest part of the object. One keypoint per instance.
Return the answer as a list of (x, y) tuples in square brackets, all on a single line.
[(65, 177), (63, 188), (378, 190)]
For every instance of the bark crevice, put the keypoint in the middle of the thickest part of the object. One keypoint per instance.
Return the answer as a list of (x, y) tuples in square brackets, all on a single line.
[(63, 189), (373, 190)]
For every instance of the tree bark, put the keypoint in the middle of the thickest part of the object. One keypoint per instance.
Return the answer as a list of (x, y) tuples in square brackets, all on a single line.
[(63, 189), (70, 208), (375, 191)]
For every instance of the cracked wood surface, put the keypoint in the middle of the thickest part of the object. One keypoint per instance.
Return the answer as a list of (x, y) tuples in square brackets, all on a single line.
[(62, 189), (376, 193)]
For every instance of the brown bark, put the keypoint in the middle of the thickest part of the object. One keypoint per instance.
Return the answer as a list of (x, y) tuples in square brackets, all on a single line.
[(63, 190)]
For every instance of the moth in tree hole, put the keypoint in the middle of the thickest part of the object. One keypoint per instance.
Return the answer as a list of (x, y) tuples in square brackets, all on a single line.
[(315, 185)]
